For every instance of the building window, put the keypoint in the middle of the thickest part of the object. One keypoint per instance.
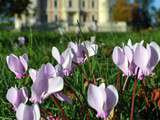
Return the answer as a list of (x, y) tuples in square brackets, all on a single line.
[(84, 18), (70, 3), (55, 3), (83, 4), (56, 18), (93, 4), (93, 18)]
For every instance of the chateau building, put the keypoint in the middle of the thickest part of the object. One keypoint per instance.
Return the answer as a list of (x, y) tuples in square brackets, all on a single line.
[(86, 12)]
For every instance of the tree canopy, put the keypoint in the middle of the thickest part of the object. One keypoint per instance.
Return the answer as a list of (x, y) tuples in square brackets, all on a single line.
[(122, 11), (11, 7)]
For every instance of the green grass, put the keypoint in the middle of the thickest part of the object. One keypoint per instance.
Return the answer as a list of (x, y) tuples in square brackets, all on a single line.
[(101, 66)]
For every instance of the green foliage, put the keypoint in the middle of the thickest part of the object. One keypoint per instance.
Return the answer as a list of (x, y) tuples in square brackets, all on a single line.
[(12, 7), (101, 66)]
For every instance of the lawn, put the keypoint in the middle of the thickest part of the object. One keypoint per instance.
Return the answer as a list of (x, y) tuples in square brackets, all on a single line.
[(39, 48)]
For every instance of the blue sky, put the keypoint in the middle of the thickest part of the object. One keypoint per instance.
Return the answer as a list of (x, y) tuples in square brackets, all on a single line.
[(157, 3)]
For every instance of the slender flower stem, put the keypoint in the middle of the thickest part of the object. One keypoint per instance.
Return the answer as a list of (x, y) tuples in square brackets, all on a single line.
[(94, 79), (88, 115), (133, 99), (43, 115), (146, 99), (64, 117), (45, 112), (125, 83), (138, 104), (118, 82)]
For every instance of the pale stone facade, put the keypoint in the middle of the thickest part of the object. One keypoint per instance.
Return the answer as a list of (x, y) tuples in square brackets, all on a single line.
[(85, 11), (89, 13)]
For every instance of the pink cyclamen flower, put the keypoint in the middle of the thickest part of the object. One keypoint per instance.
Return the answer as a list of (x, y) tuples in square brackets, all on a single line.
[(91, 47), (102, 99), (146, 59), (123, 59), (136, 60), (79, 52), (60, 96), (21, 40), (17, 96), (45, 83), (26, 112), (18, 65), (64, 61)]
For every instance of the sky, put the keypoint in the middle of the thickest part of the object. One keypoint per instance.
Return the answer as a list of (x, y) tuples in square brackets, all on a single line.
[(157, 4)]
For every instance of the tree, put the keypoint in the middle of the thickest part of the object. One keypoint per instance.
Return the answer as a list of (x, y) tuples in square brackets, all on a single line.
[(12, 7), (158, 16), (15, 8), (145, 4), (141, 15), (122, 11), (136, 14), (140, 18)]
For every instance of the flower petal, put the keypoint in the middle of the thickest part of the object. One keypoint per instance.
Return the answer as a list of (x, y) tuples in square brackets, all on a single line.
[(50, 70), (73, 46), (141, 57), (17, 96), (33, 73), (36, 112), (120, 59), (25, 112), (24, 63), (96, 97), (129, 53), (153, 57), (67, 52), (14, 64), (40, 85), (55, 85), (62, 97), (56, 55), (91, 47), (129, 43), (67, 62), (112, 98), (156, 47), (25, 57)]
